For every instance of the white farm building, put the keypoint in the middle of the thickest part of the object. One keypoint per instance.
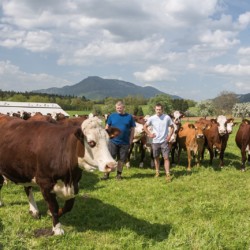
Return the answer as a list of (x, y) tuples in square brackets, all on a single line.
[(30, 107)]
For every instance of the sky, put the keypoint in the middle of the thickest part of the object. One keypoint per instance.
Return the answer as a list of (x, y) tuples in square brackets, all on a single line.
[(191, 48)]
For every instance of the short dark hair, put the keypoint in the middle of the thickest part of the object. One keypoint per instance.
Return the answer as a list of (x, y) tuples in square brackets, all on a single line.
[(158, 105)]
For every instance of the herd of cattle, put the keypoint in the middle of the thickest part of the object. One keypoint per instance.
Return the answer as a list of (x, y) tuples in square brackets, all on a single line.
[(194, 138), (50, 152)]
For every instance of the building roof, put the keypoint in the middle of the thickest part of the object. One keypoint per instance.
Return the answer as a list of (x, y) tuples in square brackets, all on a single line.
[(31, 107)]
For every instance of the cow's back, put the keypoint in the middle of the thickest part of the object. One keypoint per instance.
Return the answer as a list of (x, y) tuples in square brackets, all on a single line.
[(35, 148)]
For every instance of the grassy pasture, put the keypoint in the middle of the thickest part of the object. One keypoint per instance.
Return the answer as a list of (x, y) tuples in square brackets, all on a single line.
[(206, 209)]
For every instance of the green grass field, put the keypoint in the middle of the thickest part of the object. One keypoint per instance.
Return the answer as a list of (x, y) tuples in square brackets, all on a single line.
[(206, 209)]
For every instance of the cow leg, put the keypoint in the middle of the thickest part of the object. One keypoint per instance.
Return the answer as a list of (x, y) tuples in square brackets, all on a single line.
[(189, 159), (68, 205), (178, 156), (53, 206), (1, 185), (33, 207), (174, 147), (199, 158), (211, 154), (142, 150), (222, 158), (129, 155), (243, 159)]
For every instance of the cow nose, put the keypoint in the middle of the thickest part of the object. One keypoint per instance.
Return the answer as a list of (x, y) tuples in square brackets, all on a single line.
[(111, 166), (200, 136), (222, 131)]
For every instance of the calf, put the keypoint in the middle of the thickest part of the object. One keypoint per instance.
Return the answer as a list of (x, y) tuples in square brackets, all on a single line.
[(52, 156), (191, 139), (242, 140)]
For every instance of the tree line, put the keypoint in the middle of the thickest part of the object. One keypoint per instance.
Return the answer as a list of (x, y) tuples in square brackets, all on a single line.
[(224, 103)]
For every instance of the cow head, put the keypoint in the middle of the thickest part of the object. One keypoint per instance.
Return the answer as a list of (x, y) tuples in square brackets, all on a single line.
[(222, 124), (176, 116), (199, 129), (96, 153), (225, 125)]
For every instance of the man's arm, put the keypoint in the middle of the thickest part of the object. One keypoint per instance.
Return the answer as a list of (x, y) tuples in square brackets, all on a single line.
[(145, 127), (132, 132)]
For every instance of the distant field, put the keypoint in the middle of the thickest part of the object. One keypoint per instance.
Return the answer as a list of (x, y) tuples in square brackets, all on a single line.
[(206, 209)]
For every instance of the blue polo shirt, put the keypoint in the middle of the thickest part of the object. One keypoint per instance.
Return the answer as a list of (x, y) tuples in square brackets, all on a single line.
[(124, 122)]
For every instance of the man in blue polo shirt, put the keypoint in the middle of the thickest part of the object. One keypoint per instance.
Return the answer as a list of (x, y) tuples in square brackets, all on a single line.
[(119, 146)]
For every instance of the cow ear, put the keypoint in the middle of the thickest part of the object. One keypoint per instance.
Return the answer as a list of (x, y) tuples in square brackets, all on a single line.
[(208, 127), (79, 134), (113, 132)]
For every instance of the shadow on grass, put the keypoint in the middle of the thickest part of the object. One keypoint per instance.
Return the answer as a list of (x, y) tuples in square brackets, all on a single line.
[(93, 214), (1, 229), (231, 160)]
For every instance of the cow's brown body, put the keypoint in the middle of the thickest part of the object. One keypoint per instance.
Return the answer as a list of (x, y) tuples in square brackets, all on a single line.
[(191, 139), (212, 138), (46, 154), (242, 140)]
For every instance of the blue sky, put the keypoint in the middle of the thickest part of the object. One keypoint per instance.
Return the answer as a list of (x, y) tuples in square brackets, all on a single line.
[(190, 48)]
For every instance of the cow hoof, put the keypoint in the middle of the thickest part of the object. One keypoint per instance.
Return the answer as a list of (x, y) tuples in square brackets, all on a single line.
[(35, 215), (49, 213), (57, 230), (128, 165)]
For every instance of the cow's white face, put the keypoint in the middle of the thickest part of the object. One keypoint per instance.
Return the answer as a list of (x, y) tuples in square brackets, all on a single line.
[(177, 115), (230, 125), (138, 132), (96, 140), (222, 120)]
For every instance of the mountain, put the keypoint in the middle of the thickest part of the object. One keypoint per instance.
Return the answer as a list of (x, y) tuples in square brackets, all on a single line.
[(97, 88), (244, 98)]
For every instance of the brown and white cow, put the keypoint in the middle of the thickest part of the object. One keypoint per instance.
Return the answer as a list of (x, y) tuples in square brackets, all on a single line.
[(212, 137), (217, 136), (51, 156), (225, 127), (191, 139), (242, 140), (139, 141)]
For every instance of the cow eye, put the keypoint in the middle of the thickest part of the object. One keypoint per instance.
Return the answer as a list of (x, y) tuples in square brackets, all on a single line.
[(92, 143)]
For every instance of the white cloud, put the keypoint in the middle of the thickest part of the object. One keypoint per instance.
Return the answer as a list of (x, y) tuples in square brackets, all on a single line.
[(219, 39), (242, 87), (105, 50), (244, 20), (245, 51), (153, 73), (229, 69), (13, 78), (150, 41)]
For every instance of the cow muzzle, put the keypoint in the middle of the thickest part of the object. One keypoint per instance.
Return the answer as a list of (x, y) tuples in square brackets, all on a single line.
[(110, 167)]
